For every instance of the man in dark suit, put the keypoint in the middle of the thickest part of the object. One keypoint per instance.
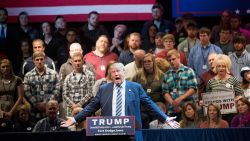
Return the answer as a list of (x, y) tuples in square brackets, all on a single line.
[(132, 96)]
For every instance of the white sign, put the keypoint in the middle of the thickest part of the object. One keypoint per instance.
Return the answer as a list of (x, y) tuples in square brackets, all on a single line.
[(223, 98)]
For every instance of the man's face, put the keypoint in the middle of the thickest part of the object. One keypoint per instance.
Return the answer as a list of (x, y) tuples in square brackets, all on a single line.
[(134, 42), (239, 47), (93, 20), (168, 44), (174, 61), (39, 62), (3, 16), (71, 36), (235, 23), (77, 62), (38, 46), (159, 42), (225, 35), (192, 32), (23, 19), (102, 44), (52, 110), (204, 38), (60, 23), (46, 28), (117, 75), (157, 14), (211, 59)]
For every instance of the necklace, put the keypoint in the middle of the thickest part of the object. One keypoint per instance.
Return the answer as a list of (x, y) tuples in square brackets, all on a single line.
[(4, 83)]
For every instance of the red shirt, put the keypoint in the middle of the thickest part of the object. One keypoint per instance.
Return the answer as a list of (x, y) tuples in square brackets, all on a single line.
[(100, 63), (163, 54)]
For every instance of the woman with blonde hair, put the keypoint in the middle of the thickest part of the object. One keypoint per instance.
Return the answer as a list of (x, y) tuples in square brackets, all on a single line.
[(214, 119), (150, 77)]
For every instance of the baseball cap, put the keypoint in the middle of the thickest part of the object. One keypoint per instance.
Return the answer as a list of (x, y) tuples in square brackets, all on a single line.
[(243, 70)]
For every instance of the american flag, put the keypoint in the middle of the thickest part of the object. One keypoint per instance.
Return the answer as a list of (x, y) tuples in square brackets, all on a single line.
[(77, 10)]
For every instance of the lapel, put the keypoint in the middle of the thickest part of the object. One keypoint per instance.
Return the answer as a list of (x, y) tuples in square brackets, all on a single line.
[(109, 98), (127, 97)]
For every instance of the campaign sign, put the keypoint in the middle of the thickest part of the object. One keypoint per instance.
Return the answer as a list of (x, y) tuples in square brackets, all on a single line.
[(224, 99), (110, 125)]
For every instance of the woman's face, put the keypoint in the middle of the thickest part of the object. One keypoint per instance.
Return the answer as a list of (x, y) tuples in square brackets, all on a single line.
[(148, 63), (221, 69), (5, 68), (23, 116), (189, 112), (152, 31), (247, 76), (25, 47), (212, 112), (242, 107)]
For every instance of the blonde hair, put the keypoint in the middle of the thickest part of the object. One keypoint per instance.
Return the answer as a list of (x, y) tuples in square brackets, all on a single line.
[(162, 64), (168, 36), (217, 110), (38, 54), (156, 70), (173, 52), (222, 59)]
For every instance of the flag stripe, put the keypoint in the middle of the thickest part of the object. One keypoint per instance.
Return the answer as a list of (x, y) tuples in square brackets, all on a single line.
[(36, 3)]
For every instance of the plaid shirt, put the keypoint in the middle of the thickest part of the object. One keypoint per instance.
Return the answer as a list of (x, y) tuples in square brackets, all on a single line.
[(78, 92), (176, 83), (41, 88)]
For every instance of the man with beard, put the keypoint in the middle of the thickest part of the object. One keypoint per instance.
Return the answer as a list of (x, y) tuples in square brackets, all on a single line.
[(78, 85), (100, 57), (134, 43), (91, 31), (240, 58)]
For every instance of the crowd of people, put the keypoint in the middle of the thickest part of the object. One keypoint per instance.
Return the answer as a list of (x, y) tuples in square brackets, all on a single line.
[(57, 71)]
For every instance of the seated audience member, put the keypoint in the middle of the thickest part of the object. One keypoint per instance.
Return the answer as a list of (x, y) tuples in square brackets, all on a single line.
[(245, 85), (214, 119), (243, 117), (23, 121), (190, 116), (118, 40), (52, 122), (162, 64), (156, 124), (131, 69)]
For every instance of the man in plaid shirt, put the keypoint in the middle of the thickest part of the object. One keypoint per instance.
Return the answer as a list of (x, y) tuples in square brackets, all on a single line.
[(78, 85), (179, 84), (41, 84)]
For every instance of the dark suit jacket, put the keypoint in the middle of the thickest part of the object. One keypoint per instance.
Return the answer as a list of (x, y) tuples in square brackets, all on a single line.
[(134, 96)]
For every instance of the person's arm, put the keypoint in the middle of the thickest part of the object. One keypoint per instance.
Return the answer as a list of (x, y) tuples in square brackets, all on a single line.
[(66, 93), (20, 93), (187, 94)]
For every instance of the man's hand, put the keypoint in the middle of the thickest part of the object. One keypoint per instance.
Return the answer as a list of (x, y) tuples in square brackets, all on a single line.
[(70, 121), (172, 123)]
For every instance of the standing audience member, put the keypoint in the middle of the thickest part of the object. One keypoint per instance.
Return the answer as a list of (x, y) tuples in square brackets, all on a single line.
[(224, 21), (225, 41), (25, 30), (190, 116), (243, 117), (163, 25), (61, 28), (180, 32), (71, 37), (28, 65), (223, 81), (118, 40), (150, 77), (148, 43), (131, 69), (41, 84), (78, 85), (240, 58), (214, 118), (51, 122), (11, 91), (159, 42), (179, 84), (54, 47), (91, 31), (191, 40), (134, 43), (100, 57), (198, 57)]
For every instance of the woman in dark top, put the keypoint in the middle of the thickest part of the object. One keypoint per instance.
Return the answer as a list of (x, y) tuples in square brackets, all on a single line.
[(243, 117)]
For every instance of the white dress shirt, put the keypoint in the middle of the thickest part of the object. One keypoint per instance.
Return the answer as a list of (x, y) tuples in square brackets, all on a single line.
[(114, 99)]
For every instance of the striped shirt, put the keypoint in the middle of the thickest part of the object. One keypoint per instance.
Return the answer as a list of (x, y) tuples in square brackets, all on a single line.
[(231, 84)]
